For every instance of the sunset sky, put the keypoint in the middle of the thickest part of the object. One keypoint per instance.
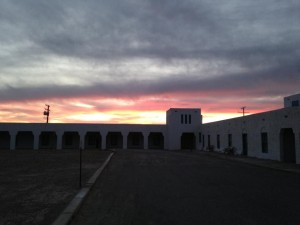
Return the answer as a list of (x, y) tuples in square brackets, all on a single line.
[(128, 61)]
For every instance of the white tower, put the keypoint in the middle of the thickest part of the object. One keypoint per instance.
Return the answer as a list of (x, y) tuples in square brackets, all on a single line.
[(183, 127)]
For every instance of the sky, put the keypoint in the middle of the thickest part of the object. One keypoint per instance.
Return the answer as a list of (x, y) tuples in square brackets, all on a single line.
[(129, 61)]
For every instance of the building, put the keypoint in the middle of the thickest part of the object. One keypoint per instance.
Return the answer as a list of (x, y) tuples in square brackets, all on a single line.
[(180, 122), (270, 135), (292, 101)]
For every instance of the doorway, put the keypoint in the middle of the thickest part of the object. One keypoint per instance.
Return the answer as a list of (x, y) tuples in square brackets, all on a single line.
[(287, 145), (188, 141), (245, 144)]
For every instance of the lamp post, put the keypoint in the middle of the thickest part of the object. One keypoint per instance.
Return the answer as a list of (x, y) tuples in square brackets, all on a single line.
[(80, 165)]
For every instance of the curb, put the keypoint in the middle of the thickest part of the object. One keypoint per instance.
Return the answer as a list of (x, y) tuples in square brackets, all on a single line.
[(259, 164), (65, 217)]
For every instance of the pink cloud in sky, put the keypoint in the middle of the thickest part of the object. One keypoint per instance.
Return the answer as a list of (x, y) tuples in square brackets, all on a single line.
[(130, 61), (143, 109)]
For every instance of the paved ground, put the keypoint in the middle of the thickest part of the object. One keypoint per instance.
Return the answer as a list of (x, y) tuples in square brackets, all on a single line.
[(35, 186), (170, 188)]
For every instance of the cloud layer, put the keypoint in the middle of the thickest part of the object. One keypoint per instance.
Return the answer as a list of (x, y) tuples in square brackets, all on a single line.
[(145, 56)]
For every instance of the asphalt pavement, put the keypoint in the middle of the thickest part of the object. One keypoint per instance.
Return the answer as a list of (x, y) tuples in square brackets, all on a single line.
[(169, 188)]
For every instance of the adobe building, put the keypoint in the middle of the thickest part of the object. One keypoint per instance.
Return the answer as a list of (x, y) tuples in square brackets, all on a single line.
[(270, 135)]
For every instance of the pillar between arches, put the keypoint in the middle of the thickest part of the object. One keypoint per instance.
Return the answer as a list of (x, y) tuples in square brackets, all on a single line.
[(82, 140), (103, 137), (146, 137), (13, 136), (125, 139), (36, 140), (59, 140)]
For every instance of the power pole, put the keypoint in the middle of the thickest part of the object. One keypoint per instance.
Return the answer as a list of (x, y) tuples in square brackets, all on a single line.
[(47, 112), (243, 110)]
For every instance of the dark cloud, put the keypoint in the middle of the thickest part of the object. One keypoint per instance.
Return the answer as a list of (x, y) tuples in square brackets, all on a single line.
[(241, 47), (278, 81)]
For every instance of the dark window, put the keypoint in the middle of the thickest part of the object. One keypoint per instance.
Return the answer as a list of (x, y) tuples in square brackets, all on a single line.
[(264, 142), (200, 137), (218, 141), (203, 138), (295, 103), (208, 140), (190, 119), (181, 119)]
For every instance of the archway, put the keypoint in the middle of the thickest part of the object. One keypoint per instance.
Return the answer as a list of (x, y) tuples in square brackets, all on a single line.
[(48, 140), (155, 140), (4, 140), (71, 140), (114, 140), (24, 140), (287, 145), (188, 141), (93, 140), (135, 140)]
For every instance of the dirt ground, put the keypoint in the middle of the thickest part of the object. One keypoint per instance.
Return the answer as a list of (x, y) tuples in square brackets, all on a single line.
[(35, 186)]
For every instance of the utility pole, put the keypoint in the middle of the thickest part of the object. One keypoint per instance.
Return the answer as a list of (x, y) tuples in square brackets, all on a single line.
[(47, 112), (243, 110)]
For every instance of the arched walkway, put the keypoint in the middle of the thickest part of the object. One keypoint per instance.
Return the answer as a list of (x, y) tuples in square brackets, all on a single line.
[(135, 140), (156, 140), (48, 140), (70, 140), (4, 140), (92, 140), (24, 140), (114, 140)]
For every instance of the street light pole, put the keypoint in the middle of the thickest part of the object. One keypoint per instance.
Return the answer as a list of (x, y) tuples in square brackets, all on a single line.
[(80, 165)]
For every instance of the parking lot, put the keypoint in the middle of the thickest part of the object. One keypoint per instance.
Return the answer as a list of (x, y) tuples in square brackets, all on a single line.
[(36, 185), (162, 187)]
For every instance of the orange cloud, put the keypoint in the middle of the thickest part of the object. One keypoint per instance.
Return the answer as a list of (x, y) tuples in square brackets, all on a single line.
[(137, 110)]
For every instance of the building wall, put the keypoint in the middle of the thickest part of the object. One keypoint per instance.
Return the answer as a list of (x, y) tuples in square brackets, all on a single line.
[(181, 121), (292, 101), (57, 132), (270, 135), (273, 123)]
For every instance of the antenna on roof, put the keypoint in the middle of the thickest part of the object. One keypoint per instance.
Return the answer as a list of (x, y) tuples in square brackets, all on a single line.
[(47, 112), (243, 110)]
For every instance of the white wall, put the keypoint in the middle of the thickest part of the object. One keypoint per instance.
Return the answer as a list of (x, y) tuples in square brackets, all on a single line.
[(270, 122), (181, 121), (82, 129)]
